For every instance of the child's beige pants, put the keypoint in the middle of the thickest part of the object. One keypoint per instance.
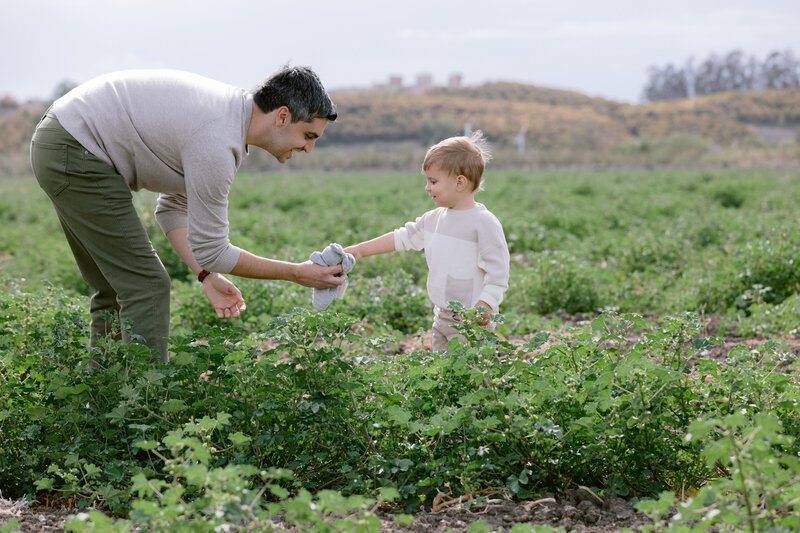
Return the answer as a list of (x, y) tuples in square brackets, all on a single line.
[(444, 322)]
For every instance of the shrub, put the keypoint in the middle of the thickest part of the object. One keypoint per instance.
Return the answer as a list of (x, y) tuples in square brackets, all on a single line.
[(553, 281), (764, 271)]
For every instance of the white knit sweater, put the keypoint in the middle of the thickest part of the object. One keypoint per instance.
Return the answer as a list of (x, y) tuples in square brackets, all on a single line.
[(466, 252)]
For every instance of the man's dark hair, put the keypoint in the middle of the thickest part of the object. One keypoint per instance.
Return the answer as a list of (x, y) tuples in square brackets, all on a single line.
[(299, 89)]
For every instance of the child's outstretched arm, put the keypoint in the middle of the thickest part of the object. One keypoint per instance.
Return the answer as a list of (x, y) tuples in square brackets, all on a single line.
[(379, 245)]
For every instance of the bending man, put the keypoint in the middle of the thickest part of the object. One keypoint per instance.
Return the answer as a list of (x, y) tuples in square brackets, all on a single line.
[(184, 136)]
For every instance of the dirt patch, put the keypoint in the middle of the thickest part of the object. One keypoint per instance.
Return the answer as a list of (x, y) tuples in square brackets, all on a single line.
[(575, 510), (31, 518)]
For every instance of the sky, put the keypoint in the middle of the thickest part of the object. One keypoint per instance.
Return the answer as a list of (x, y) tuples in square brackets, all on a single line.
[(599, 48)]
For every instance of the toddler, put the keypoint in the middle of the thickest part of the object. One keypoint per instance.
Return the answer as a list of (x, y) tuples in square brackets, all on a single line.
[(464, 243)]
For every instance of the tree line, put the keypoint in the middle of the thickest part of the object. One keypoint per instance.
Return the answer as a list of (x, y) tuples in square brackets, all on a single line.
[(733, 71)]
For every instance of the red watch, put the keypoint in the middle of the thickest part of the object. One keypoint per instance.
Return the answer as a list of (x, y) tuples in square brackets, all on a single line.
[(203, 274)]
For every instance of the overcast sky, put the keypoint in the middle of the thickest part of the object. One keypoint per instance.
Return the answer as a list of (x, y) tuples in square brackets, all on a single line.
[(601, 48)]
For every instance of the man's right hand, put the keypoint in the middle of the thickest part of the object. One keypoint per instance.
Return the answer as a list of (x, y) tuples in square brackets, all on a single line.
[(310, 274)]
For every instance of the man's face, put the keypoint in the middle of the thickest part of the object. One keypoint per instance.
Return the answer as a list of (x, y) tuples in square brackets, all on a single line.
[(298, 137)]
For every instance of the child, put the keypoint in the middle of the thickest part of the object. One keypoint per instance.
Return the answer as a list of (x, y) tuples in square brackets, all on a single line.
[(466, 250)]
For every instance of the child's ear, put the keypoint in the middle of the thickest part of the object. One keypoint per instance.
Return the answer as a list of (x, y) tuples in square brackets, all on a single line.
[(461, 182)]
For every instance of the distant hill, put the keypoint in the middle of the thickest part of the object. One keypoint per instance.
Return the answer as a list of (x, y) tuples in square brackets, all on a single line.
[(556, 118), (567, 123), (16, 123)]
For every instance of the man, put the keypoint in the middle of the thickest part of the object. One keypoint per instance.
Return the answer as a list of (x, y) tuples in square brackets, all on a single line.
[(184, 136)]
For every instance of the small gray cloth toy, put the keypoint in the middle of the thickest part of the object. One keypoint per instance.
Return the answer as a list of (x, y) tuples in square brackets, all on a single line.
[(333, 254)]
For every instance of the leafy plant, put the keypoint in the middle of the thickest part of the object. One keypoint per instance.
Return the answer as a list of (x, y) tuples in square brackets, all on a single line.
[(758, 486)]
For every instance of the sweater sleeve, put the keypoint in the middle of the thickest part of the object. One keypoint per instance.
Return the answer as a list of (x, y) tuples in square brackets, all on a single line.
[(209, 175), (494, 260), (412, 235), (208, 172), (171, 212)]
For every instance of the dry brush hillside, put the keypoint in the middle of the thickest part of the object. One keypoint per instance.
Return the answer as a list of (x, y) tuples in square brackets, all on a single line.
[(555, 118), (553, 121)]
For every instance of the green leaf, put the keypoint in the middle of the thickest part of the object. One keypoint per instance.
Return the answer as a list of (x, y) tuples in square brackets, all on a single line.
[(404, 519), (398, 415), (45, 483), (279, 491), (173, 406), (389, 494), (481, 526), (12, 526), (140, 486), (238, 438)]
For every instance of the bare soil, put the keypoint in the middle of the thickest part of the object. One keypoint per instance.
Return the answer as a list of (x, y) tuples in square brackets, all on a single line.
[(575, 510)]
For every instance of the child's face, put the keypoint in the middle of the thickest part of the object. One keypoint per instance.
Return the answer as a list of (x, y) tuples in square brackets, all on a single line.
[(445, 189)]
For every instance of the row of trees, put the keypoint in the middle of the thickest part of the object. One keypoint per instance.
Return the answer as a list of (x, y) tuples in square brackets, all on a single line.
[(731, 72)]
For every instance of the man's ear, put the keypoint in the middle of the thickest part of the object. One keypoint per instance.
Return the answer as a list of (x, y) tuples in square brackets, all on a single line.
[(283, 117)]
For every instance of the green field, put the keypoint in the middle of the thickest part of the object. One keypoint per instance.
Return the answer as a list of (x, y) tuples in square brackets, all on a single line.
[(599, 374), (716, 243)]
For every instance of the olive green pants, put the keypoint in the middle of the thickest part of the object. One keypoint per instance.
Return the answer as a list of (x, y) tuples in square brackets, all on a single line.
[(110, 245)]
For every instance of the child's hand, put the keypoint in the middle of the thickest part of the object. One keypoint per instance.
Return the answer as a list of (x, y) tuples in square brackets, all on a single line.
[(354, 250)]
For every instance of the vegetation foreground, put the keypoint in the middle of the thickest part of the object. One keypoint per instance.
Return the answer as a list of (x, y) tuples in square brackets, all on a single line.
[(317, 418)]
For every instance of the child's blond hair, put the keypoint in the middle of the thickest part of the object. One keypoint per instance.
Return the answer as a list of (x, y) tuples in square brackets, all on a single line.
[(465, 156)]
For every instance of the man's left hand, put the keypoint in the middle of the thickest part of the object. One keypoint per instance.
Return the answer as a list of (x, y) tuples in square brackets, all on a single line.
[(224, 296)]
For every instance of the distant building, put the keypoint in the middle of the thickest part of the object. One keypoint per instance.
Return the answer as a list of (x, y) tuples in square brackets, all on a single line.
[(395, 84), (424, 82)]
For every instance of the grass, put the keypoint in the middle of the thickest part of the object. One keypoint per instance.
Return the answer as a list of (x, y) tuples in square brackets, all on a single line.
[(711, 242)]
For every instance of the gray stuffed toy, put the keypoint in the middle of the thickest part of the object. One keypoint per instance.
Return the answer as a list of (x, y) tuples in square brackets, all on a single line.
[(333, 254)]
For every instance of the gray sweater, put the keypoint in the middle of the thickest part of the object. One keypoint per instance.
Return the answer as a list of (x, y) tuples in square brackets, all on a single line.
[(171, 132)]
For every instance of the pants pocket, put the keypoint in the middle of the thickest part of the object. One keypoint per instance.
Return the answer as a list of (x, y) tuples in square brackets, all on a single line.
[(49, 163)]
